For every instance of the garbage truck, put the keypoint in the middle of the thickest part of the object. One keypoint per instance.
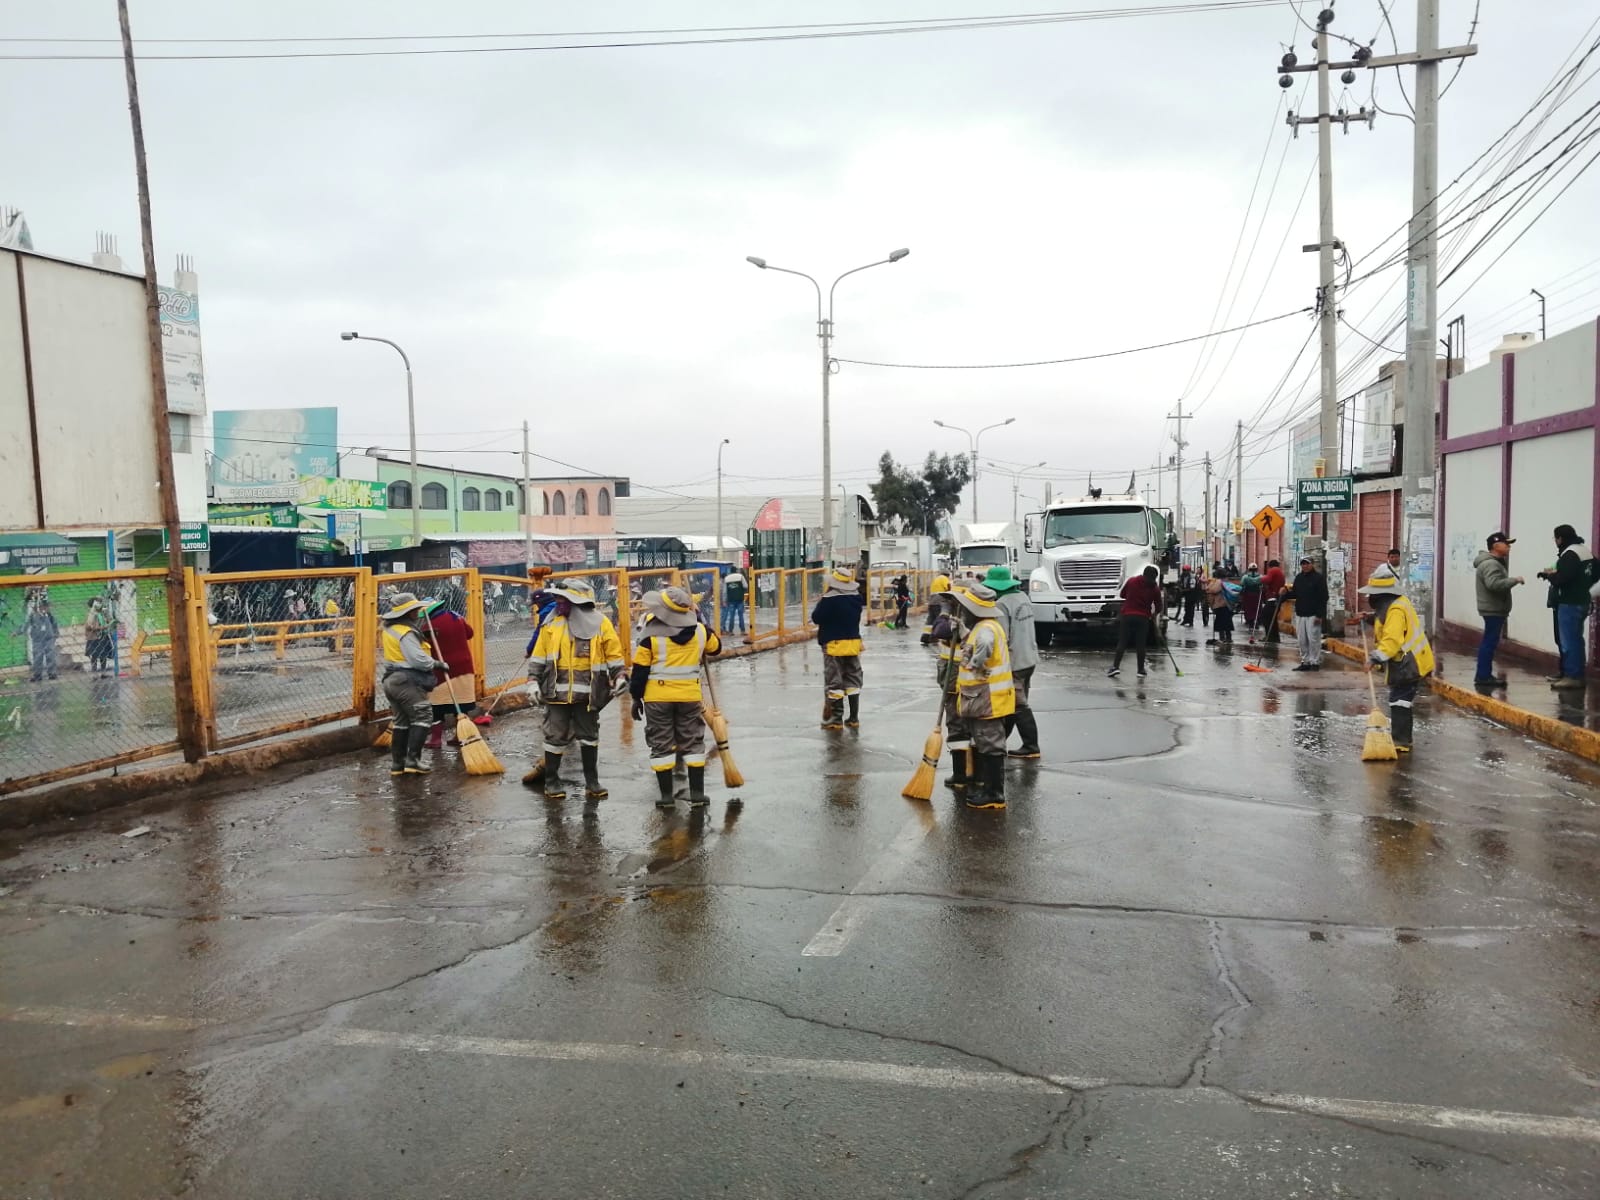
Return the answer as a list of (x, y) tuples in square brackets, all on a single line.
[(981, 545), (1088, 548)]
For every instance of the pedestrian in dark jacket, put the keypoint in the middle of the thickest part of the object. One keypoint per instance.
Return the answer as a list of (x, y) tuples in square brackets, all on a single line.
[(1570, 581), (837, 617), (1494, 584), (1273, 582), (1140, 596), (1309, 590)]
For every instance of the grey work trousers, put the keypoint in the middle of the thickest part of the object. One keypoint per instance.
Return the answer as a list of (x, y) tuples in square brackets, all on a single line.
[(842, 675), (1308, 632), (408, 698), (568, 723), (674, 727)]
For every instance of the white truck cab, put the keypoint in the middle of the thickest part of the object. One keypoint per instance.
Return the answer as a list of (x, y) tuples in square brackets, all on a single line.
[(1088, 549)]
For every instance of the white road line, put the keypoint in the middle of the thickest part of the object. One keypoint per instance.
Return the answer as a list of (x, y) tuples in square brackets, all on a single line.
[(949, 1079), (836, 933)]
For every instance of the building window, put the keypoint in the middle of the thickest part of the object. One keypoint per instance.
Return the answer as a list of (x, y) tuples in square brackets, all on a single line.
[(603, 505), (580, 504), (400, 495), (522, 501), (434, 495), (179, 426), (510, 499), (471, 499), (546, 496), (558, 504), (491, 500)]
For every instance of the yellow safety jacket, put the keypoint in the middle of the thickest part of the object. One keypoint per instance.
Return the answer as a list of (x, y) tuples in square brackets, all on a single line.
[(1400, 631), (843, 648), (568, 669), (392, 651), (675, 667), (984, 690)]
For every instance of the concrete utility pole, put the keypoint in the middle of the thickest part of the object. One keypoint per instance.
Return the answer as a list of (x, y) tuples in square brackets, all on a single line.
[(1238, 490), (189, 721), (527, 502), (1177, 504), (720, 445), (1205, 518)]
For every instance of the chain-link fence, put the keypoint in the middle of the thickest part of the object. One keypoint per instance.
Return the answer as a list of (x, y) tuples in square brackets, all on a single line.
[(85, 673), (457, 631)]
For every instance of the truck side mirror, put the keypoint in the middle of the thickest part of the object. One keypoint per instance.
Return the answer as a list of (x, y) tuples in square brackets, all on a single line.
[(1030, 533)]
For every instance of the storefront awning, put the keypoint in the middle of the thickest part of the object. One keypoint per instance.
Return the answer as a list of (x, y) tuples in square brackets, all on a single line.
[(22, 550)]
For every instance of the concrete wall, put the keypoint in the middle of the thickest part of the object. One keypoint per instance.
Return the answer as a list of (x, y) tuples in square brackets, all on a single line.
[(1471, 514), (1552, 483)]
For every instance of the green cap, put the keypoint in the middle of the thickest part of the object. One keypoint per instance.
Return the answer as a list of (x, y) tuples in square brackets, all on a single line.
[(999, 580)]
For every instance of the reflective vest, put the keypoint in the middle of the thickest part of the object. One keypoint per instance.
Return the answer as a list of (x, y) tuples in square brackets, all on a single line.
[(394, 655), (675, 667), (1401, 631), (564, 664), (984, 690)]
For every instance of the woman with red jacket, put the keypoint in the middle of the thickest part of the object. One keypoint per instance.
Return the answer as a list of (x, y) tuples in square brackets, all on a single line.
[(1140, 595), (458, 682)]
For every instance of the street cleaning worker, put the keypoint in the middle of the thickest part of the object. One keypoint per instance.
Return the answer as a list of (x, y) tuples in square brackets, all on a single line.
[(456, 684), (985, 693), (1140, 596), (939, 586), (576, 668), (408, 667), (1400, 649), (1016, 618), (43, 632), (665, 687), (837, 617)]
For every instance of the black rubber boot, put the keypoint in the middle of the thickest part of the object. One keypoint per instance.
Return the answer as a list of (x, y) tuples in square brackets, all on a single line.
[(989, 790), (552, 777), (835, 715), (664, 782), (398, 741), (958, 770), (1029, 729), (1400, 721), (854, 719), (415, 736), (697, 788), (591, 773)]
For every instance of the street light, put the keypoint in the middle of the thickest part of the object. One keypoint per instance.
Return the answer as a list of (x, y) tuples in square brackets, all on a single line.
[(724, 442), (1016, 481), (972, 441), (411, 424), (825, 335)]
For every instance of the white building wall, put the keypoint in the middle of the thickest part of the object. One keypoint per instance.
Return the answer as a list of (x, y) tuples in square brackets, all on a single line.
[(1475, 401), (1556, 376), (1471, 514), (1552, 483), (17, 502)]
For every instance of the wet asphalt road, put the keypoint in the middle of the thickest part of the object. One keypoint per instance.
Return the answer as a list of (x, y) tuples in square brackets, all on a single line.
[(1204, 952)]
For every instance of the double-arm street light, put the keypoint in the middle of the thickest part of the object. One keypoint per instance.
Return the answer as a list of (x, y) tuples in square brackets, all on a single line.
[(972, 442), (411, 426), (1016, 481), (825, 336)]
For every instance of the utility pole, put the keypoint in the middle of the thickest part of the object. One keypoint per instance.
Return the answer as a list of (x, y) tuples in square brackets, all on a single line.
[(720, 445), (1178, 439), (1205, 505), (527, 502), (189, 722), (1238, 489)]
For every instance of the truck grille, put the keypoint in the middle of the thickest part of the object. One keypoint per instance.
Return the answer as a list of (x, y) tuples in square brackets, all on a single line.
[(1075, 573)]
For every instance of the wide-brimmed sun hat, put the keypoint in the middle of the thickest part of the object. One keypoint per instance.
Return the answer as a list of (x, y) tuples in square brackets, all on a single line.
[(977, 599), (579, 591), (402, 603), (671, 606), (841, 583), (1382, 583), (941, 583), (1000, 580)]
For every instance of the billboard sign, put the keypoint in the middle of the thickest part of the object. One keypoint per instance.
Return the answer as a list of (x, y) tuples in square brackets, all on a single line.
[(261, 516), (1377, 429), (1305, 444), (261, 454), (320, 493), (194, 537), (180, 347)]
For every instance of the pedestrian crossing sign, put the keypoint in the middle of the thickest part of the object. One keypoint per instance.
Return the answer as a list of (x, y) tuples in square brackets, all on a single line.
[(1268, 521)]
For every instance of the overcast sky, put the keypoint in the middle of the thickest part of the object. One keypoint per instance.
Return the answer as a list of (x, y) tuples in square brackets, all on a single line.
[(560, 236)]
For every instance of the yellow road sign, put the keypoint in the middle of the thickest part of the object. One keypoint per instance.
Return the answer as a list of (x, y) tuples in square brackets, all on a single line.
[(1268, 521)]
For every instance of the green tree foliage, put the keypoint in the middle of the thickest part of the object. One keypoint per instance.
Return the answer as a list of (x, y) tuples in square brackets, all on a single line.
[(911, 501)]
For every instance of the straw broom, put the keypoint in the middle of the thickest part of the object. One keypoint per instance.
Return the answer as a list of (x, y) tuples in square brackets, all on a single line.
[(1379, 743), (475, 753), (731, 775), (921, 785)]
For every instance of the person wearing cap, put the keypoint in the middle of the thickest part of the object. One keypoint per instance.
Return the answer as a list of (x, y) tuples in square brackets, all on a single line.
[(936, 591), (1140, 595), (901, 591), (837, 617), (1400, 649), (734, 597), (456, 683), (985, 693), (576, 667), (1015, 614), (1309, 591), (1570, 580), (1494, 586), (408, 673), (665, 686)]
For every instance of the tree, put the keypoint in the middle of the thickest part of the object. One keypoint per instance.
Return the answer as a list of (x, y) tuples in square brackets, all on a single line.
[(909, 501)]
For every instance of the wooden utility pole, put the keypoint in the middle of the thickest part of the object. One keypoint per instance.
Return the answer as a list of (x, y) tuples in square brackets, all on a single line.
[(190, 729)]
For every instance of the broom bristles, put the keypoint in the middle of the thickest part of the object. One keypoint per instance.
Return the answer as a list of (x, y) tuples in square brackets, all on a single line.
[(475, 752), (921, 785), (718, 724), (1379, 747), (384, 740)]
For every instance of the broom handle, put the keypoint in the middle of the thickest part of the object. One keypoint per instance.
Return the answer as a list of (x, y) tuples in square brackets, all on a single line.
[(1372, 685), (448, 683), (705, 671)]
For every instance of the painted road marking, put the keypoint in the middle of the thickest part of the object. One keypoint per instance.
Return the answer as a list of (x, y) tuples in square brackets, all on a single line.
[(837, 931), (1429, 1116)]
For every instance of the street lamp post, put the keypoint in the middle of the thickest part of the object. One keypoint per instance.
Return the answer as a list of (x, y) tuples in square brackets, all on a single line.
[(825, 336), (1016, 481), (411, 427), (724, 442), (972, 443)]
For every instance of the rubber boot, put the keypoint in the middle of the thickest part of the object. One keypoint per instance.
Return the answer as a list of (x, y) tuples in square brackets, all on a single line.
[(697, 788), (435, 736), (854, 719), (535, 778), (835, 715), (664, 782), (552, 777), (1028, 728), (591, 773), (958, 770), (415, 737), (989, 789), (398, 740), (1400, 721)]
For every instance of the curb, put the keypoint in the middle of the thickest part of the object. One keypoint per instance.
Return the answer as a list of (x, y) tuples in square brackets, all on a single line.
[(1574, 739)]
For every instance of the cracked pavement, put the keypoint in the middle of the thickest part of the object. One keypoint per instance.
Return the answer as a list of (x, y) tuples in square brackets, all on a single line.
[(1204, 952)]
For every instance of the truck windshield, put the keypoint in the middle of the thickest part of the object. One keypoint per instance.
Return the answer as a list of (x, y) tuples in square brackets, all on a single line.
[(1097, 525), (983, 556)]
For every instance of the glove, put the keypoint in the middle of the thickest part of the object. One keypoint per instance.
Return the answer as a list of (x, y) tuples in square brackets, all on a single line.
[(638, 710), (619, 685), (926, 639)]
